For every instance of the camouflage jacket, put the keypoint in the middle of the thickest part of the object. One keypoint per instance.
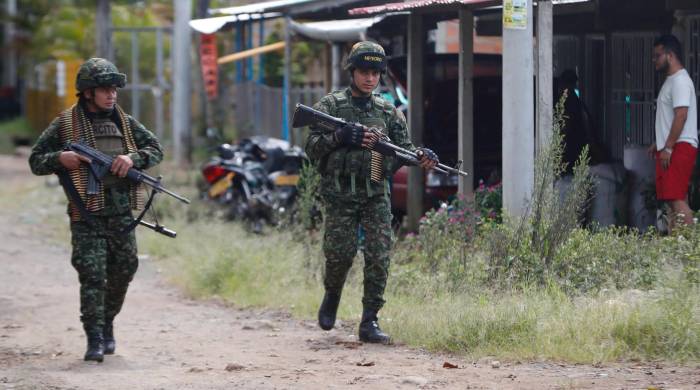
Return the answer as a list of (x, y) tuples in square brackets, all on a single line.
[(43, 160), (336, 161)]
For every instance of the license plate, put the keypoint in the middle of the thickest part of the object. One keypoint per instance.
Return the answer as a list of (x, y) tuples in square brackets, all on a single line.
[(221, 185), (287, 180)]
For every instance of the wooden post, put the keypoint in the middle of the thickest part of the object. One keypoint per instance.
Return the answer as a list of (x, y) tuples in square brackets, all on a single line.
[(518, 116), (466, 100), (416, 44)]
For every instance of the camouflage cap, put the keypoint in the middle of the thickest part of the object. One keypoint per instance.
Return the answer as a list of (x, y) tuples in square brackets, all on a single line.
[(98, 72), (365, 55)]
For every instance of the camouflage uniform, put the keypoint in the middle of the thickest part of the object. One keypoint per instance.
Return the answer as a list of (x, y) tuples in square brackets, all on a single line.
[(352, 199), (105, 260)]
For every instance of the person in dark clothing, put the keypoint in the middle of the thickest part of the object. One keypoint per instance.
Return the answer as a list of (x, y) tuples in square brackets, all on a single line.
[(574, 129)]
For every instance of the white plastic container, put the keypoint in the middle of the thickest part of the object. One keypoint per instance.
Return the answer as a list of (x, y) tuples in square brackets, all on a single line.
[(642, 178), (609, 204)]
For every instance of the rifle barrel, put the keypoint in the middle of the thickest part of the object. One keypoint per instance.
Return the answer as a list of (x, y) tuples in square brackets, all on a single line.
[(174, 195)]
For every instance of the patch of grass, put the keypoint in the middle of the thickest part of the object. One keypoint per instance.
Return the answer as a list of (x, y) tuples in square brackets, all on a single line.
[(242, 268), (646, 304), (428, 309), (534, 325)]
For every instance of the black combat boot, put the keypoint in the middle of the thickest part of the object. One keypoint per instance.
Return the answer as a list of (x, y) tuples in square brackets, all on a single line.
[(108, 335), (95, 345), (369, 329), (328, 310)]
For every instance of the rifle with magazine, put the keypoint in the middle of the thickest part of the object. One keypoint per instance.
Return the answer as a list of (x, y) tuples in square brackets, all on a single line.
[(307, 116), (98, 167)]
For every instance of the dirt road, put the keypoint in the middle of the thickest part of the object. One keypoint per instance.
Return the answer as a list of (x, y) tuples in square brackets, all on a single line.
[(165, 341)]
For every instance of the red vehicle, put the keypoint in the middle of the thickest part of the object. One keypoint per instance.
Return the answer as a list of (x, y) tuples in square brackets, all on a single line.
[(440, 135)]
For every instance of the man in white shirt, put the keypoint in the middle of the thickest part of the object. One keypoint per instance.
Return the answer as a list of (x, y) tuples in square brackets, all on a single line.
[(676, 144)]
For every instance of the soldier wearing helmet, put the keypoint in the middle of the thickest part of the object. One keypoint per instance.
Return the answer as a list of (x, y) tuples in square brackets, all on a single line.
[(103, 255), (355, 185)]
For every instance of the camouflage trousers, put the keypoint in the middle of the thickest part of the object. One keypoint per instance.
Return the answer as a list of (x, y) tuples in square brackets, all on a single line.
[(106, 262), (344, 214)]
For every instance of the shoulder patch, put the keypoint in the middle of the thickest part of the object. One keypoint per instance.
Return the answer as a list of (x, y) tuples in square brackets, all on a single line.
[(339, 97)]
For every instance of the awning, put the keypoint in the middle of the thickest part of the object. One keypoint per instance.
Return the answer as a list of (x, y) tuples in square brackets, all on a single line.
[(212, 25), (244, 13), (337, 30), (416, 4), (308, 9)]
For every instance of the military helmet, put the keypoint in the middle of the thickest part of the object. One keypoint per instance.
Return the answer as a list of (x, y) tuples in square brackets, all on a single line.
[(365, 55), (98, 72)]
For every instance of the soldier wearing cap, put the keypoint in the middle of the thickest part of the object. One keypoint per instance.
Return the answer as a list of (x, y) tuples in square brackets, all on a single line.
[(355, 185), (103, 255)]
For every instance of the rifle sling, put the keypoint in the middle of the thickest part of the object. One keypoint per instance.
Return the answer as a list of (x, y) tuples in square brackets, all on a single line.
[(138, 219), (73, 195)]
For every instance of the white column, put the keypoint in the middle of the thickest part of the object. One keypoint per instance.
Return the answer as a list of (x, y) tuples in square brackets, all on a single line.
[(103, 25), (416, 42), (181, 80), (466, 100), (336, 66), (545, 104), (10, 56), (518, 116)]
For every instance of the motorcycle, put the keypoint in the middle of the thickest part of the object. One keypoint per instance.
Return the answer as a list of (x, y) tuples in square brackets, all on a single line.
[(255, 180), (283, 163)]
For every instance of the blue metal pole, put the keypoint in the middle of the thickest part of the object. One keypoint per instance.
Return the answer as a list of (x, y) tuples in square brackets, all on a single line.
[(239, 48), (249, 34), (259, 120), (261, 57), (287, 77)]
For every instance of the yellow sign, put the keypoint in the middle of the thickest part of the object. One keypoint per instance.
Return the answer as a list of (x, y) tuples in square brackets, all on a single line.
[(515, 14)]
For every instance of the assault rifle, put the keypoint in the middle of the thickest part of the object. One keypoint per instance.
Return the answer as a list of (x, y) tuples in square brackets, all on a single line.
[(101, 164), (307, 116)]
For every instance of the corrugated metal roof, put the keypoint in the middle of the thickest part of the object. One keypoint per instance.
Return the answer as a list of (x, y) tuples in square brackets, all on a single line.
[(409, 5), (259, 8)]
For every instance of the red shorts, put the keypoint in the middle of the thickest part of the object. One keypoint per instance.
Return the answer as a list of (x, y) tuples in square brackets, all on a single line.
[(672, 183)]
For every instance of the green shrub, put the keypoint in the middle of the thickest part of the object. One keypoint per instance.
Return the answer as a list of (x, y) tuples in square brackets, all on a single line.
[(523, 251), (309, 205)]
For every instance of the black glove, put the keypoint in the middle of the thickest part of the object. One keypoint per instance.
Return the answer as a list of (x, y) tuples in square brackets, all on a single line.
[(429, 154), (350, 135)]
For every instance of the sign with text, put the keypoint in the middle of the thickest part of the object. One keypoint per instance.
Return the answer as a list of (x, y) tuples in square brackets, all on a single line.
[(210, 69), (515, 14)]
